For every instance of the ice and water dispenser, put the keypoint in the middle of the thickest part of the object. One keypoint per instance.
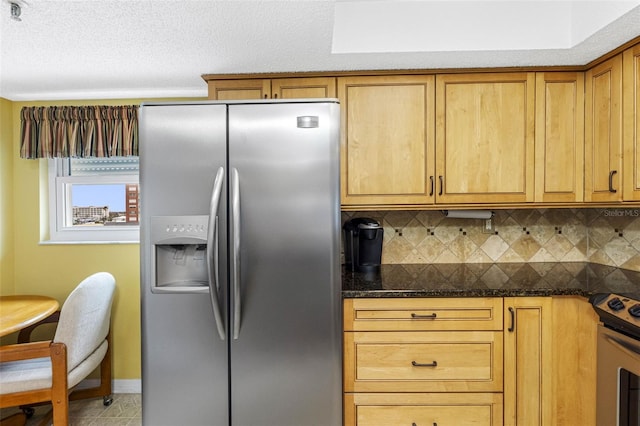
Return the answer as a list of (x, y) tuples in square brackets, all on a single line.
[(179, 254)]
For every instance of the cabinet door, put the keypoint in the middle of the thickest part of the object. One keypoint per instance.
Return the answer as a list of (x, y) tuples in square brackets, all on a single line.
[(559, 163), (527, 372), (292, 88), (631, 90), (603, 132), (485, 137), (229, 90), (387, 140), (574, 351)]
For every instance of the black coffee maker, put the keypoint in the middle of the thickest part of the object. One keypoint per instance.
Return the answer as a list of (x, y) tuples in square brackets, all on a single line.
[(362, 244)]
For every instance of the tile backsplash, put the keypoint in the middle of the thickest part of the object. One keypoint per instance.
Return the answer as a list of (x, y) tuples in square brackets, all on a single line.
[(604, 236)]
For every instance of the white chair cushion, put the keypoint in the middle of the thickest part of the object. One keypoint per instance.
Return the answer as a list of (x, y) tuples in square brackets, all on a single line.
[(19, 376)]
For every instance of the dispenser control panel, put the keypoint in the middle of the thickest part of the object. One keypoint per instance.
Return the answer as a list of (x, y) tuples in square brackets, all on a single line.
[(188, 228), (179, 227)]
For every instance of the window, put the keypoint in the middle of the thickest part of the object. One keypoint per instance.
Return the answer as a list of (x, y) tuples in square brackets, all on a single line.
[(94, 199)]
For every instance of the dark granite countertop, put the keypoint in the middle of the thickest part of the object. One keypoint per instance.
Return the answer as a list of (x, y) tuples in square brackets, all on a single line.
[(491, 280)]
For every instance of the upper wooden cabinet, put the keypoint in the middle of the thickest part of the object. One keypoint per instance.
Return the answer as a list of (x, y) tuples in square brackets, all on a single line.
[(475, 139), (228, 90), (631, 120), (277, 88), (303, 88), (603, 132), (387, 140), (485, 137), (559, 161)]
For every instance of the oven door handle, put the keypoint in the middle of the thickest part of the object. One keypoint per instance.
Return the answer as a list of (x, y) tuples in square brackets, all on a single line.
[(624, 346)]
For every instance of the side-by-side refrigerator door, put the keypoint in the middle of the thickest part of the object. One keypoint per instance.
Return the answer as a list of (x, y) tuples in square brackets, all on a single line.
[(285, 335), (183, 265)]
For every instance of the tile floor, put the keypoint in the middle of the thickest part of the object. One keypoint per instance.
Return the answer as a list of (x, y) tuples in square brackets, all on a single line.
[(126, 410)]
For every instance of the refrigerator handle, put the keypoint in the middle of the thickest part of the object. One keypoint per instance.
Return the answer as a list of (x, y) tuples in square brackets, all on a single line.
[(235, 214), (212, 251)]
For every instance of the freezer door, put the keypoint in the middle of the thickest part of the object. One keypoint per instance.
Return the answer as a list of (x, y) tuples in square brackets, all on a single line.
[(184, 359), (285, 339)]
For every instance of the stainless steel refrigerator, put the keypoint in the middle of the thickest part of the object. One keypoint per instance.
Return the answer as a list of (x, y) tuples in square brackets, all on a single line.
[(240, 278)]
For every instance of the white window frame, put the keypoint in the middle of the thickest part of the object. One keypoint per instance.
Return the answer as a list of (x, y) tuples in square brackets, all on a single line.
[(61, 229)]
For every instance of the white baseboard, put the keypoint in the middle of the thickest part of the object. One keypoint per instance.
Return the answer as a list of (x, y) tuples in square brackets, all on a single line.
[(118, 386)]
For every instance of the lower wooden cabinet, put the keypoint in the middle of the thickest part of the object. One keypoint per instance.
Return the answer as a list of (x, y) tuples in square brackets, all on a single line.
[(527, 361), (419, 361), (419, 409)]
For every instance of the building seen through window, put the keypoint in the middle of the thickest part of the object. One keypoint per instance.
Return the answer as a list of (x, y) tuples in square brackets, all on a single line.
[(119, 204)]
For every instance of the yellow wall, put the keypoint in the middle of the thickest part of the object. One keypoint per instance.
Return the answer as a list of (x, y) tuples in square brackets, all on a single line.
[(6, 195), (56, 269)]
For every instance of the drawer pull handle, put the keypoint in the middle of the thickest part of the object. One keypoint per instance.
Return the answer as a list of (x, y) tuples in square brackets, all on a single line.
[(417, 364), (418, 316), (414, 424), (512, 313)]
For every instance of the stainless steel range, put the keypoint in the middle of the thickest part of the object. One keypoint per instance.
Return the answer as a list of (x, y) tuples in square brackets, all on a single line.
[(618, 397)]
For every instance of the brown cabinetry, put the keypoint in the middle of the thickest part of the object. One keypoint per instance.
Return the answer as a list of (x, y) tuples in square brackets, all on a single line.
[(603, 132), (277, 88), (387, 140), (527, 362), (405, 409), (485, 137), (572, 378), (559, 153), (412, 140), (511, 361), (631, 120), (423, 361)]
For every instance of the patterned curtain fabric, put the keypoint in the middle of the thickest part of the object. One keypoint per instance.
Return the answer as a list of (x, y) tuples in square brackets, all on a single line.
[(79, 131)]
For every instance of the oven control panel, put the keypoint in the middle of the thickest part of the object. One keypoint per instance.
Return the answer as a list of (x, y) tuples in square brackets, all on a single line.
[(619, 303), (618, 311)]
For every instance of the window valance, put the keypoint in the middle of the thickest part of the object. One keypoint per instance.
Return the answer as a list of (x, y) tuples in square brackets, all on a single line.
[(79, 131)]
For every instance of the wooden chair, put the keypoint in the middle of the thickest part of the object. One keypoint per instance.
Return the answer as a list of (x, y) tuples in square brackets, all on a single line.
[(36, 372)]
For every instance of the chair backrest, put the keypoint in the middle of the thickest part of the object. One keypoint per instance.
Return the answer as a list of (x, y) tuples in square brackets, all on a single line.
[(85, 317)]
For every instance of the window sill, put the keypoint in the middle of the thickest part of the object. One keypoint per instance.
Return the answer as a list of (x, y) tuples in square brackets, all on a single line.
[(54, 243)]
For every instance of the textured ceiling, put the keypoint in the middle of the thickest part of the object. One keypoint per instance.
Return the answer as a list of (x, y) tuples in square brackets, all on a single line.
[(97, 49)]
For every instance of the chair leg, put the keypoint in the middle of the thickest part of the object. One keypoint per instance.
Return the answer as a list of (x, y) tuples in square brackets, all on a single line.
[(59, 389)]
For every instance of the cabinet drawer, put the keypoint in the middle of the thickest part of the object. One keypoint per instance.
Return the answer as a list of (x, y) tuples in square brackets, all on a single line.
[(423, 409), (417, 314), (423, 361)]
